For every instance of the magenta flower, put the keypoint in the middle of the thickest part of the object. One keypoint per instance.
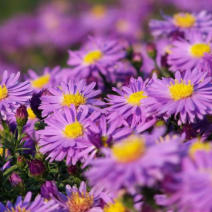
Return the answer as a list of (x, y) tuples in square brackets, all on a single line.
[(37, 205), (68, 94), (67, 135), (191, 52), (129, 105), (98, 55), (131, 162), (47, 79), (184, 22), (187, 97), (80, 199), (13, 93), (192, 189)]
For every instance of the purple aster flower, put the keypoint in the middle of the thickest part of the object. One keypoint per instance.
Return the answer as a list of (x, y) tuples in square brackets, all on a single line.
[(82, 200), (56, 26), (26, 204), (183, 22), (191, 52), (127, 25), (47, 79), (96, 56), (13, 93), (67, 135), (187, 96), (130, 105), (15, 179), (193, 189), (49, 190), (75, 93), (132, 161), (98, 18)]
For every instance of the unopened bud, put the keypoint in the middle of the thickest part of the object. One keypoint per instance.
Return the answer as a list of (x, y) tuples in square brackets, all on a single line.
[(151, 50), (36, 167), (21, 116), (15, 179)]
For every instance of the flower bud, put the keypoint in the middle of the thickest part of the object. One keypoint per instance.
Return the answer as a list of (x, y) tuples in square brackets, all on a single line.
[(15, 179), (72, 169), (20, 161), (36, 167), (21, 116), (137, 60), (49, 189), (151, 50)]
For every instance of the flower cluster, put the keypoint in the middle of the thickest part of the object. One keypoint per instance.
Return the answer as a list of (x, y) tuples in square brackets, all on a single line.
[(124, 125)]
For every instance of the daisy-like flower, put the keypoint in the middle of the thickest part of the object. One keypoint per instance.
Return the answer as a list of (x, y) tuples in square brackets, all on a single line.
[(67, 135), (191, 52), (187, 97), (194, 184), (27, 205), (130, 162), (82, 200), (130, 104), (47, 79), (183, 22), (98, 18), (76, 93), (96, 56), (13, 93)]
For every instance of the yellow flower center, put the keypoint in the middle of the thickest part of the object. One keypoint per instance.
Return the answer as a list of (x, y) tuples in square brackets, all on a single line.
[(3, 92), (180, 90), (80, 202), (31, 114), (73, 130), (73, 99), (40, 82), (135, 98), (92, 57), (184, 20), (1, 151), (198, 50), (129, 150), (18, 209), (99, 11), (199, 146), (117, 206)]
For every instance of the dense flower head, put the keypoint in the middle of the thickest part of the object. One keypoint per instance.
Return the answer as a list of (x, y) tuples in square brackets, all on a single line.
[(71, 93), (134, 161), (82, 200), (194, 183), (183, 96), (67, 135), (120, 120), (190, 52), (27, 205), (13, 93), (130, 104), (96, 56), (183, 21), (47, 79)]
